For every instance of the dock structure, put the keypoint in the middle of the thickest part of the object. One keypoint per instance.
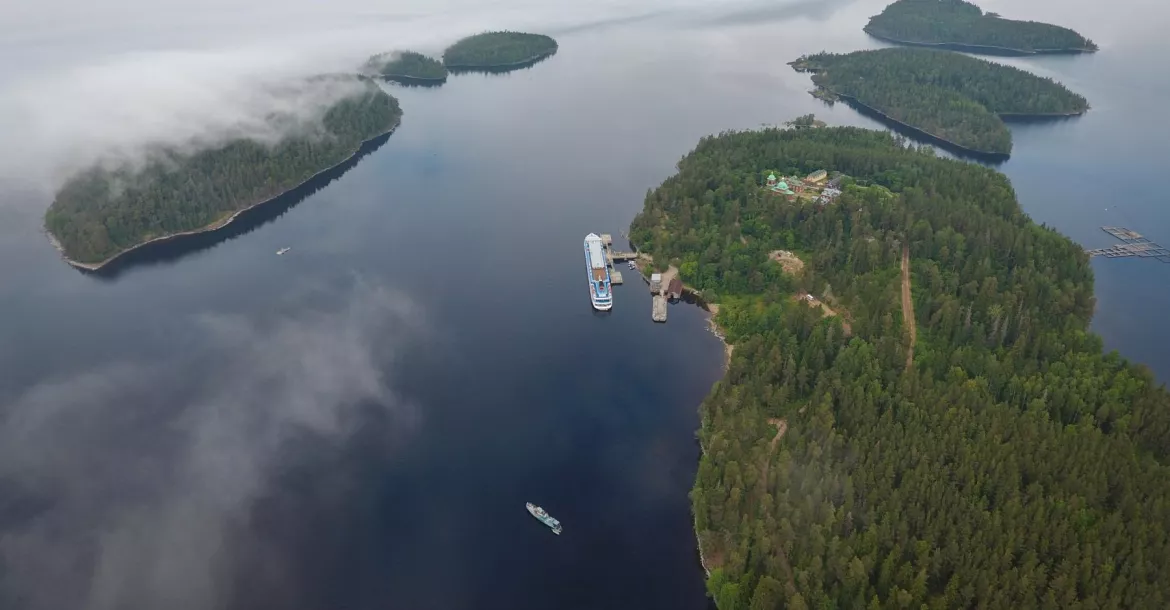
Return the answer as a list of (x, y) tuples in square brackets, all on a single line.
[(615, 276), (618, 256), (656, 283), (658, 309), (1133, 244)]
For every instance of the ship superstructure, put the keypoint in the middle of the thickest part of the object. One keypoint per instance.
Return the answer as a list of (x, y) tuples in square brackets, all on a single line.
[(600, 288), (544, 517)]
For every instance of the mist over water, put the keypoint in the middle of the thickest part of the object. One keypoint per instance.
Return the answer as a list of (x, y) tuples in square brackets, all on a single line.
[(357, 424), (79, 83)]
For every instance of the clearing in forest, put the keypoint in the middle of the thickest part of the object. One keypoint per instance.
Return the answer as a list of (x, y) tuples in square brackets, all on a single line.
[(788, 261), (812, 301)]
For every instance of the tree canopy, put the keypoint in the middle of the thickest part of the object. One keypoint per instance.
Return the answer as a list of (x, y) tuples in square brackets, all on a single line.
[(408, 65), (1009, 464), (498, 49), (956, 22), (948, 95), (104, 211)]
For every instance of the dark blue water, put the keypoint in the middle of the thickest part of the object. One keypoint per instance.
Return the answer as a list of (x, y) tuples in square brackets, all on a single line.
[(357, 424)]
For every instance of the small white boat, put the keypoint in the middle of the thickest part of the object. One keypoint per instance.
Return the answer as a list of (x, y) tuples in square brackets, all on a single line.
[(282, 251)]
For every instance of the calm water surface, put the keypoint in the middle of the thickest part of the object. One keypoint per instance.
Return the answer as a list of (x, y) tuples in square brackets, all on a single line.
[(433, 303)]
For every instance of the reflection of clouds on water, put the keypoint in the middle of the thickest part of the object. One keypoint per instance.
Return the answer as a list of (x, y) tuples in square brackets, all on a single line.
[(130, 485), (769, 12)]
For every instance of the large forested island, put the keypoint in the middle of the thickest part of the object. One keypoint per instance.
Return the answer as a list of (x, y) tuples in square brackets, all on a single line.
[(953, 97), (963, 26), (991, 457), (103, 212), (498, 50), (408, 67)]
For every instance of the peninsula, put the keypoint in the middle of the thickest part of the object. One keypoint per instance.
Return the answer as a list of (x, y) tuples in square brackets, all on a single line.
[(408, 67), (965, 444), (104, 212), (955, 99), (498, 51), (962, 26)]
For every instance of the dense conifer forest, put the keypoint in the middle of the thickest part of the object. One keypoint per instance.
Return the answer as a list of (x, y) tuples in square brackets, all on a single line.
[(408, 64), (498, 49), (956, 22), (1009, 463), (102, 212), (948, 95)]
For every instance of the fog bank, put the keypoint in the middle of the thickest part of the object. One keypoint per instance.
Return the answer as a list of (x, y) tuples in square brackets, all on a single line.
[(82, 81)]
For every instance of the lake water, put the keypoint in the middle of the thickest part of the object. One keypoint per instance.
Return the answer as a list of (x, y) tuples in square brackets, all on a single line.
[(358, 423)]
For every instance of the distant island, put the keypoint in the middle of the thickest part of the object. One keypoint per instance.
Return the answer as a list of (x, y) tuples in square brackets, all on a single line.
[(962, 26), (915, 413), (804, 122), (952, 98), (104, 212), (498, 50), (408, 67)]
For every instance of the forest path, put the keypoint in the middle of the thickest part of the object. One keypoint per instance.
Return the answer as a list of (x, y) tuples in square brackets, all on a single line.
[(781, 428), (785, 565), (908, 305)]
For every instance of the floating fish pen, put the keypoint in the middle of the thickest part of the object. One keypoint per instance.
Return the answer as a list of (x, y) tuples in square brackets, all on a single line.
[(1133, 244)]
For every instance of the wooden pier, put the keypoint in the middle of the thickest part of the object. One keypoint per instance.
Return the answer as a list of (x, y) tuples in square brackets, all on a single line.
[(658, 289), (619, 256), (658, 308), (1133, 244)]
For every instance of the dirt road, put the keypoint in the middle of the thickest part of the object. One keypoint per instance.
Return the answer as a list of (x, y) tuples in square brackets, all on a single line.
[(908, 305)]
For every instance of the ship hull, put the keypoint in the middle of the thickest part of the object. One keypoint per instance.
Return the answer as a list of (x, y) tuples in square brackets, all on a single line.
[(597, 273), (540, 515)]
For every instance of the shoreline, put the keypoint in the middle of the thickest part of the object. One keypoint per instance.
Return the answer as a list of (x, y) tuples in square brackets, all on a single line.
[(214, 226), (407, 79), (728, 350), (991, 155), (515, 64), (695, 297), (976, 48)]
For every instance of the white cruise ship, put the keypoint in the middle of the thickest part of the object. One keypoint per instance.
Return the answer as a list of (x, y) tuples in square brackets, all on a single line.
[(600, 290)]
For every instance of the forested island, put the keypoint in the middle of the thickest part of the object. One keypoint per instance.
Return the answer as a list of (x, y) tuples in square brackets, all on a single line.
[(408, 67), (103, 212), (954, 98), (962, 26), (951, 437), (497, 50)]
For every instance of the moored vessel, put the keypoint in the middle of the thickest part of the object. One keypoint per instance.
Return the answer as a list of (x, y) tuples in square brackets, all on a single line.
[(600, 286), (544, 517)]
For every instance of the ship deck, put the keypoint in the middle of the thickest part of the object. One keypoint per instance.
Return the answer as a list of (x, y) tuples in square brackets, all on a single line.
[(599, 274)]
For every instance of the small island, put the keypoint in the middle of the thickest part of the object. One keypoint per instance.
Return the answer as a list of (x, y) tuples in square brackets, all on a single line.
[(104, 212), (408, 68), (948, 98), (915, 413), (962, 26), (498, 51), (804, 122)]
